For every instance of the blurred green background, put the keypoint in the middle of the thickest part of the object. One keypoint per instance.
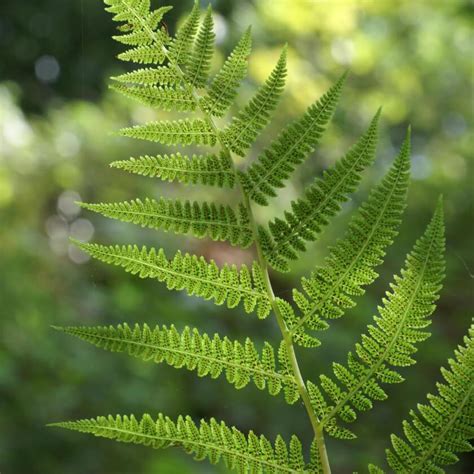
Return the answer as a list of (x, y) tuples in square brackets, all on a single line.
[(56, 115)]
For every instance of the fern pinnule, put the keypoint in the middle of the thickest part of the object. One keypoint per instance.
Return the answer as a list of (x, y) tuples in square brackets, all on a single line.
[(212, 170), (209, 440), (292, 146), (286, 237), (194, 274), (215, 221), (172, 132), (350, 265), (392, 340), (199, 62), (445, 425), (249, 122), (223, 89), (195, 351)]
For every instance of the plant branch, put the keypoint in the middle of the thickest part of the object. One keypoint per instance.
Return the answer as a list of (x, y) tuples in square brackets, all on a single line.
[(315, 422)]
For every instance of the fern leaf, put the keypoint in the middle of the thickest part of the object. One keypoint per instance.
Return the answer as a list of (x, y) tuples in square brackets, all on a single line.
[(391, 341), (191, 273), (194, 351), (213, 170), (290, 148), (181, 45), (209, 440), (218, 222), (164, 98), (140, 30), (172, 132), (143, 55), (223, 90), (445, 424), (350, 264), (199, 63), (246, 126), (321, 201), (161, 75)]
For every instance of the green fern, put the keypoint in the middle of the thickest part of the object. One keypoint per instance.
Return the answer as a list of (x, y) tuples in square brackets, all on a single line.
[(193, 274), (213, 170), (194, 351), (210, 439), (321, 201), (202, 220), (290, 148), (223, 90), (247, 124), (391, 341), (179, 80), (445, 425), (350, 264)]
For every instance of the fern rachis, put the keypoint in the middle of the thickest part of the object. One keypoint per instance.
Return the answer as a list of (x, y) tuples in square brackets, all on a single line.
[(179, 81)]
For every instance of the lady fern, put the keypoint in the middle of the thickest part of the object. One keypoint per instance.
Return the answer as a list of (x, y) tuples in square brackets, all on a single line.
[(177, 79)]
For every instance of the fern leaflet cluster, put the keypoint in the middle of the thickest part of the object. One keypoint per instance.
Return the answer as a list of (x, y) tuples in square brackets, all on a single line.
[(200, 219), (176, 77), (194, 351), (209, 440), (391, 341)]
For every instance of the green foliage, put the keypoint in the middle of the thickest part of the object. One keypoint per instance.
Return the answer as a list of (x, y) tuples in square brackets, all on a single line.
[(393, 338), (209, 440), (444, 426), (172, 132), (321, 201), (389, 343), (199, 63), (213, 170), (290, 148), (191, 273), (350, 265), (247, 124), (200, 219), (223, 89), (199, 352)]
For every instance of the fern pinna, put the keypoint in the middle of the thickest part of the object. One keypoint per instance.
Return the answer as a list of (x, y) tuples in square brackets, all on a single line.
[(174, 76)]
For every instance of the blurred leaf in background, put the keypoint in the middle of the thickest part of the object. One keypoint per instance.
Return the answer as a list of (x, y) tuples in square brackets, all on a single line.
[(56, 115)]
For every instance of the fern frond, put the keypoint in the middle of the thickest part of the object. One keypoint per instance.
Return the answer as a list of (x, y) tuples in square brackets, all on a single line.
[(180, 47), (393, 338), (216, 221), (161, 75), (213, 170), (246, 126), (290, 148), (165, 98), (143, 55), (223, 90), (321, 201), (209, 440), (191, 273), (172, 132), (350, 264), (194, 351), (445, 425), (199, 63)]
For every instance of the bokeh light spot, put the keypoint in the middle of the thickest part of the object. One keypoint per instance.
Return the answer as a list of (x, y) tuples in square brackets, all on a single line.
[(47, 69)]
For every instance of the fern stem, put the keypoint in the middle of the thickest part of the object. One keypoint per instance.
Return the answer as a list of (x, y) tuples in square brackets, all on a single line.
[(315, 422)]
